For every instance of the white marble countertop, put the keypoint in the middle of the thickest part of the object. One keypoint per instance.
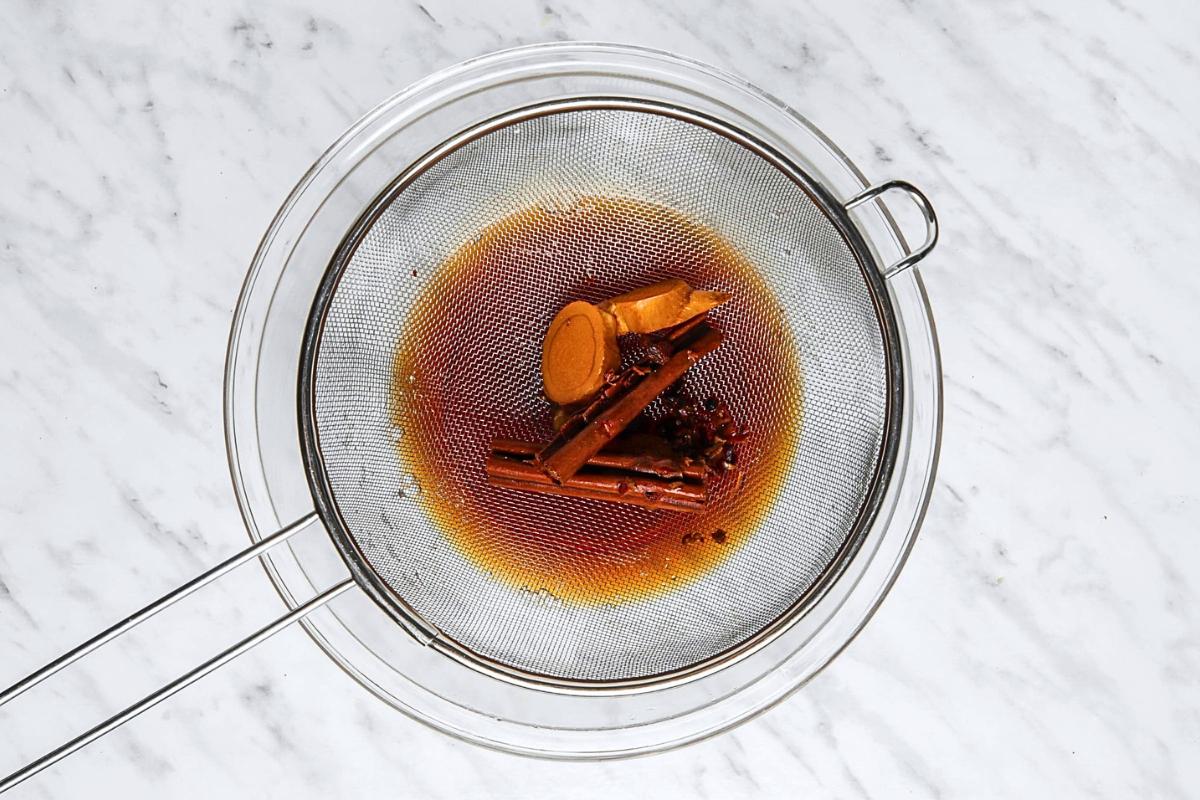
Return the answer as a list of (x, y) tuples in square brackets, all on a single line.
[(1044, 639)]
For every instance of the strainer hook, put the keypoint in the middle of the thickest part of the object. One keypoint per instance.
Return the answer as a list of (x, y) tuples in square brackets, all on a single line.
[(922, 202)]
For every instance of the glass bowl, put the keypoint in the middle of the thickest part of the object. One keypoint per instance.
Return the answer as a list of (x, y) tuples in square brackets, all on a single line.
[(263, 438)]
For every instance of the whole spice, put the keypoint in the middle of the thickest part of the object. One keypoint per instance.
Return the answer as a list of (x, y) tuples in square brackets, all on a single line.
[(579, 350), (702, 430)]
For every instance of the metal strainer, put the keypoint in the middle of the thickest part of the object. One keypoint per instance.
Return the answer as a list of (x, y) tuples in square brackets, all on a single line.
[(836, 424), (836, 320)]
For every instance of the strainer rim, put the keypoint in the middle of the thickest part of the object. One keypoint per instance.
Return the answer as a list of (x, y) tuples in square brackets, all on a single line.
[(393, 604)]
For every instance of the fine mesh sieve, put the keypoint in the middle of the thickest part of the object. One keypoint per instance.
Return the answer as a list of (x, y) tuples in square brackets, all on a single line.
[(811, 301)]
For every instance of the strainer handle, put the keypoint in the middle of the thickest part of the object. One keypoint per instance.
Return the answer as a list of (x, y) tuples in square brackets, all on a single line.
[(188, 678), (922, 202), (144, 614)]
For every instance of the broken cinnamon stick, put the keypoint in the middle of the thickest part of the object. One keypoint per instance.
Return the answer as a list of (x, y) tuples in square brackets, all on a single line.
[(571, 449), (641, 490)]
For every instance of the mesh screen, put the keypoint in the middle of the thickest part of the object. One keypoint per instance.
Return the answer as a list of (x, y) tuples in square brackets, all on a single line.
[(432, 343)]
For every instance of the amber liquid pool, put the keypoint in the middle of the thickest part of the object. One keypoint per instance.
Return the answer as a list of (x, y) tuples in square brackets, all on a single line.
[(467, 369)]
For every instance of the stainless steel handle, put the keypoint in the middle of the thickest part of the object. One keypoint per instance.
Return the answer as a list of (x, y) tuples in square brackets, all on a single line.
[(154, 698), (145, 613), (918, 197)]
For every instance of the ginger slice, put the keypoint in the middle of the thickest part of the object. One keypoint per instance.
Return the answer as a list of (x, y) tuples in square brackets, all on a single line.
[(701, 302), (579, 349), (660, 305), (649, 308)]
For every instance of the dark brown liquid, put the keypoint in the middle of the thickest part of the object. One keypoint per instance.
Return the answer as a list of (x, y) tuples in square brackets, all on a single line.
[(468, 370)]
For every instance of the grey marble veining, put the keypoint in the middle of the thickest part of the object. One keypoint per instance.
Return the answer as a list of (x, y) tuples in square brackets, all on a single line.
[(1044, 639)]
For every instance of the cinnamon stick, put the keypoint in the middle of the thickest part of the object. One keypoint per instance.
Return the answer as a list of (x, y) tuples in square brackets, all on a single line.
[(649, 492), (563, 458), (662, 503), (678, 468)]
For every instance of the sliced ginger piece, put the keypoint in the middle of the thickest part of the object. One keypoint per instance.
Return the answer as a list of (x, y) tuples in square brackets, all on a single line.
[(660, 305), (579, 349), (701, 302), (649, 308)]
